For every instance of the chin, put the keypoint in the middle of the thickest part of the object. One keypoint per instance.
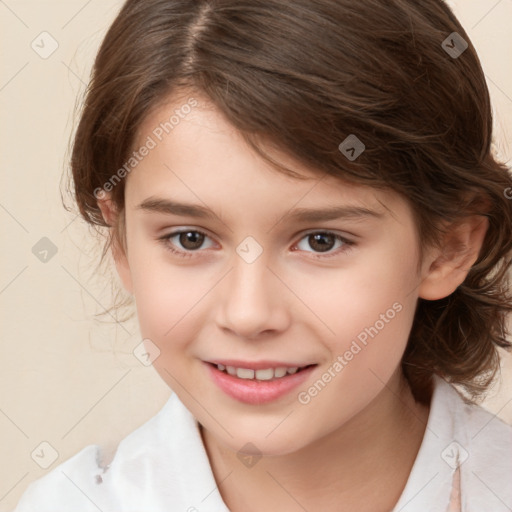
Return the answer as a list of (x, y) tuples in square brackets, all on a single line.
[(259, 445)]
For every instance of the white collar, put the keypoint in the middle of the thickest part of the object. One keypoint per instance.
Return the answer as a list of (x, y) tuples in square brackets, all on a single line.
[(466, 436)]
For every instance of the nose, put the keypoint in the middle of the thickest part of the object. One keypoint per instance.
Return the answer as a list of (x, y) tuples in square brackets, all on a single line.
[(252, 301)]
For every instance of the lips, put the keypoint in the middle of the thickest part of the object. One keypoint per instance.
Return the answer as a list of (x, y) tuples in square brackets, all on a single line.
[(254, 391)]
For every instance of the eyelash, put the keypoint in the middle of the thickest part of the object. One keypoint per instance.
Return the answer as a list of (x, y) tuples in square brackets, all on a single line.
[(165, 240)]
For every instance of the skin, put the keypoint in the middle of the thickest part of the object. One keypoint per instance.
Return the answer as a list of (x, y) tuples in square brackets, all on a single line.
[(289, 305)]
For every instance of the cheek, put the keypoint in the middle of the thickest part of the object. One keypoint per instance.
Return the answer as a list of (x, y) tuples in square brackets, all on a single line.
[(366, 311), (166, 301), (371, 310), (170, 300), (160, 290), (167, 310)]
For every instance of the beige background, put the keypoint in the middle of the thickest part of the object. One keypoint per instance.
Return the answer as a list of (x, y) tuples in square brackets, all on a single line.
[(66, 378)]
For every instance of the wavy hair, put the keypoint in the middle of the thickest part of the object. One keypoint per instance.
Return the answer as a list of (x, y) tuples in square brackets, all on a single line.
[(302, 76)]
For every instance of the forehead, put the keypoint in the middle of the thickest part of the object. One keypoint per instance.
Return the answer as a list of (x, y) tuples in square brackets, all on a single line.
[(198, 157)]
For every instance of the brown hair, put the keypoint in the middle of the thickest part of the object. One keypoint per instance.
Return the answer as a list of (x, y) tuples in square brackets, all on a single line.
[(303, 76)]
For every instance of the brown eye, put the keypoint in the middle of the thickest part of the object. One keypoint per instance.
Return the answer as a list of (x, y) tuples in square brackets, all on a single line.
[(321, 241), (324, 242), (186, 242), (191, 240)]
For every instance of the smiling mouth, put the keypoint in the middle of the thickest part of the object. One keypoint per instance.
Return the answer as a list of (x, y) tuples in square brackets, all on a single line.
[(268, 374)]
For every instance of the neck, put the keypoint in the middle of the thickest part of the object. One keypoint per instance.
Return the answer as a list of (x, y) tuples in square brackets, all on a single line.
[(364, 462)]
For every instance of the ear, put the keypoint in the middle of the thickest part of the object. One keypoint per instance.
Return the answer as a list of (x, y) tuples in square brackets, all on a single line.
[(447, 267), (116, 223)]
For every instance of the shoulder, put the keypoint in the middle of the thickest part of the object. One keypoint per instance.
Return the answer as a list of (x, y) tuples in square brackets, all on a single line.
[(464, 444), (84, 483), (160, 466), (482, 432), (485, 457), (480, 444), (71, 483)]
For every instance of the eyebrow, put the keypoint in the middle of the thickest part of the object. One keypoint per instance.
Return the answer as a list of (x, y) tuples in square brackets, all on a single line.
[(166, 206)]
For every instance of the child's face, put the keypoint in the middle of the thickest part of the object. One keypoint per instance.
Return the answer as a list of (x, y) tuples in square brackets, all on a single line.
[(292, 303)]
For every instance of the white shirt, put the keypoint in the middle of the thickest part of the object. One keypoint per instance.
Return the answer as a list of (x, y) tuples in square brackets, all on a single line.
[(163, 467)]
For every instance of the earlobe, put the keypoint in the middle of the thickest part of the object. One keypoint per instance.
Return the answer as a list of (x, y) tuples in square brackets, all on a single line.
[(449, 265), (116, 225), (106, 206)]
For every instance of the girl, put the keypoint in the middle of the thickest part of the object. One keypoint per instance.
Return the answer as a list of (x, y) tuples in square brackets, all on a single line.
[(302, 200)]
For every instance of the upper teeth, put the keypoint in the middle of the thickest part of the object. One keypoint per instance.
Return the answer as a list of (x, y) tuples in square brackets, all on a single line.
[(267, 374)]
